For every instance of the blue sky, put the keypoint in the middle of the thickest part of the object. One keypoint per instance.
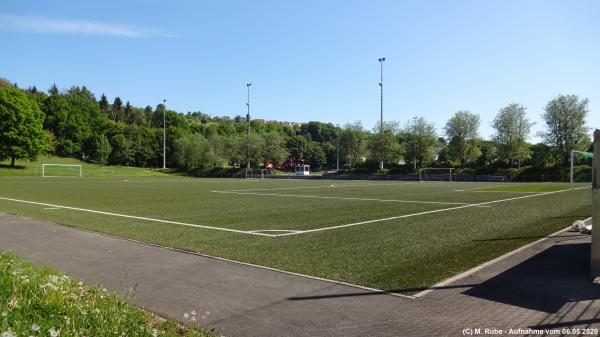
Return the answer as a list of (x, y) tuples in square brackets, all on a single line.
[(311, 60)]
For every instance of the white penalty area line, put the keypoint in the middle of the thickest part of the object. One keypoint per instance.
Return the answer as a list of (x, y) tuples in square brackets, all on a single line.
[(425, 213), (53, 206), (341, 198)]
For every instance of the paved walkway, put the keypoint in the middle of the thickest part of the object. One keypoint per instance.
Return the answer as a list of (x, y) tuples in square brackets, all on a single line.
[(542, 287)]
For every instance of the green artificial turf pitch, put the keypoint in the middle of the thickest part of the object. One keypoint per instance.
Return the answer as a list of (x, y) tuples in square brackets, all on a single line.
[(395, 236)]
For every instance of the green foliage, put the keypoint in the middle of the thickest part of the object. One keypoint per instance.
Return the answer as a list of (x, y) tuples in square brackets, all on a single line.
[(193, 152), (21, 121), (418, 139), (102, 150), (274, 149), (462, 132), (39, 301), (352, 144), (565, 125), (71, 117), (74, 122), (512, 129), (384, 146)]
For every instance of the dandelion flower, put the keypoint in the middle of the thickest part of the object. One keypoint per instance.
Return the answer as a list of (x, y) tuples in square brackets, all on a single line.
[(35, 327), (8, 334), (186, 315)]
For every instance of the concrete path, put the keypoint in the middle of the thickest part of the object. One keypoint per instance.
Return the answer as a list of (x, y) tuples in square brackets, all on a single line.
[(542, 287)]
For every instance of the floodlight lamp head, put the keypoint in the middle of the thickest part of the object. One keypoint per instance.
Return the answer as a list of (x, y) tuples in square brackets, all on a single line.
[(382, 59), (248, 84)]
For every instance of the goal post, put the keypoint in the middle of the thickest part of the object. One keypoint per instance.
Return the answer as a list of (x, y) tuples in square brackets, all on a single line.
[(436, 174), (595, 249), (580, 154), (62, 170)]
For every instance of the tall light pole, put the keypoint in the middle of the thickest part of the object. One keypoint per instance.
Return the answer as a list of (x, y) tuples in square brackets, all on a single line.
[(337, 162), (248, 120), (381, 60), (164, 134)]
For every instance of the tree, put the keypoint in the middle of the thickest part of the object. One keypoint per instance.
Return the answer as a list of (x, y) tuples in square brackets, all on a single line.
[(104, 106), (117, 109), (512, 129), (352, 143), (128, 114), (565, 125), (250, 148), (541, 155), (102, 150), (419, 138), (71, 117), (21, 126), (274, 150), (193, 152), (122, 152), (384, 146), (462, 133)]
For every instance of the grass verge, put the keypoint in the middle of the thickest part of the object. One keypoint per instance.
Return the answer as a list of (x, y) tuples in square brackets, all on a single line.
[(34, 168), (36, 301)]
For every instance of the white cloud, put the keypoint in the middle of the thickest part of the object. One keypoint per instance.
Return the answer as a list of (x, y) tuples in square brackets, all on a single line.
[(38, 24)]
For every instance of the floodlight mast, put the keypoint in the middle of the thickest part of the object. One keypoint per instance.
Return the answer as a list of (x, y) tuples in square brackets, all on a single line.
[(248, 120), (164, 134), (337, 159), (381, 60)]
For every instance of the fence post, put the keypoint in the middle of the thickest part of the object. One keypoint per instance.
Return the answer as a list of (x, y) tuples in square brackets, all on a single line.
[(595, 261)]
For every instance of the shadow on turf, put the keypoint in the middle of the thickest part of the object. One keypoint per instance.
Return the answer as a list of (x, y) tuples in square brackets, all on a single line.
[(545, 282), (404, 291), (16, 167)]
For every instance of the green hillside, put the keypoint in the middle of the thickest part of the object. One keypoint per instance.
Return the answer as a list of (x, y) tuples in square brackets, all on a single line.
[(34, 168)]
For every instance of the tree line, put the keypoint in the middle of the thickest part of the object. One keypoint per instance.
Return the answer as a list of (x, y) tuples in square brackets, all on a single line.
[(74, 123)]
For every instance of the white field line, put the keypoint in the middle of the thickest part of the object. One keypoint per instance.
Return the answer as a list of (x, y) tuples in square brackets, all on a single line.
[(342, 198), (135, 217), (475, 190), (274, 230), (424, 213), (316, 187), (51, 208)]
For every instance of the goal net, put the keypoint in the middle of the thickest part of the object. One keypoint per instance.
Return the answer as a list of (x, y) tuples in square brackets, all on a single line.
[(61, 170), (436, 174), (580, 174), (257, 173)]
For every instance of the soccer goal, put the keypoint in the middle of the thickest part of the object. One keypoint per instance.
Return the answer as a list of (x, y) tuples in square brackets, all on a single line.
[(436, 174), (62, 170), (264, 173), (579, 176)]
